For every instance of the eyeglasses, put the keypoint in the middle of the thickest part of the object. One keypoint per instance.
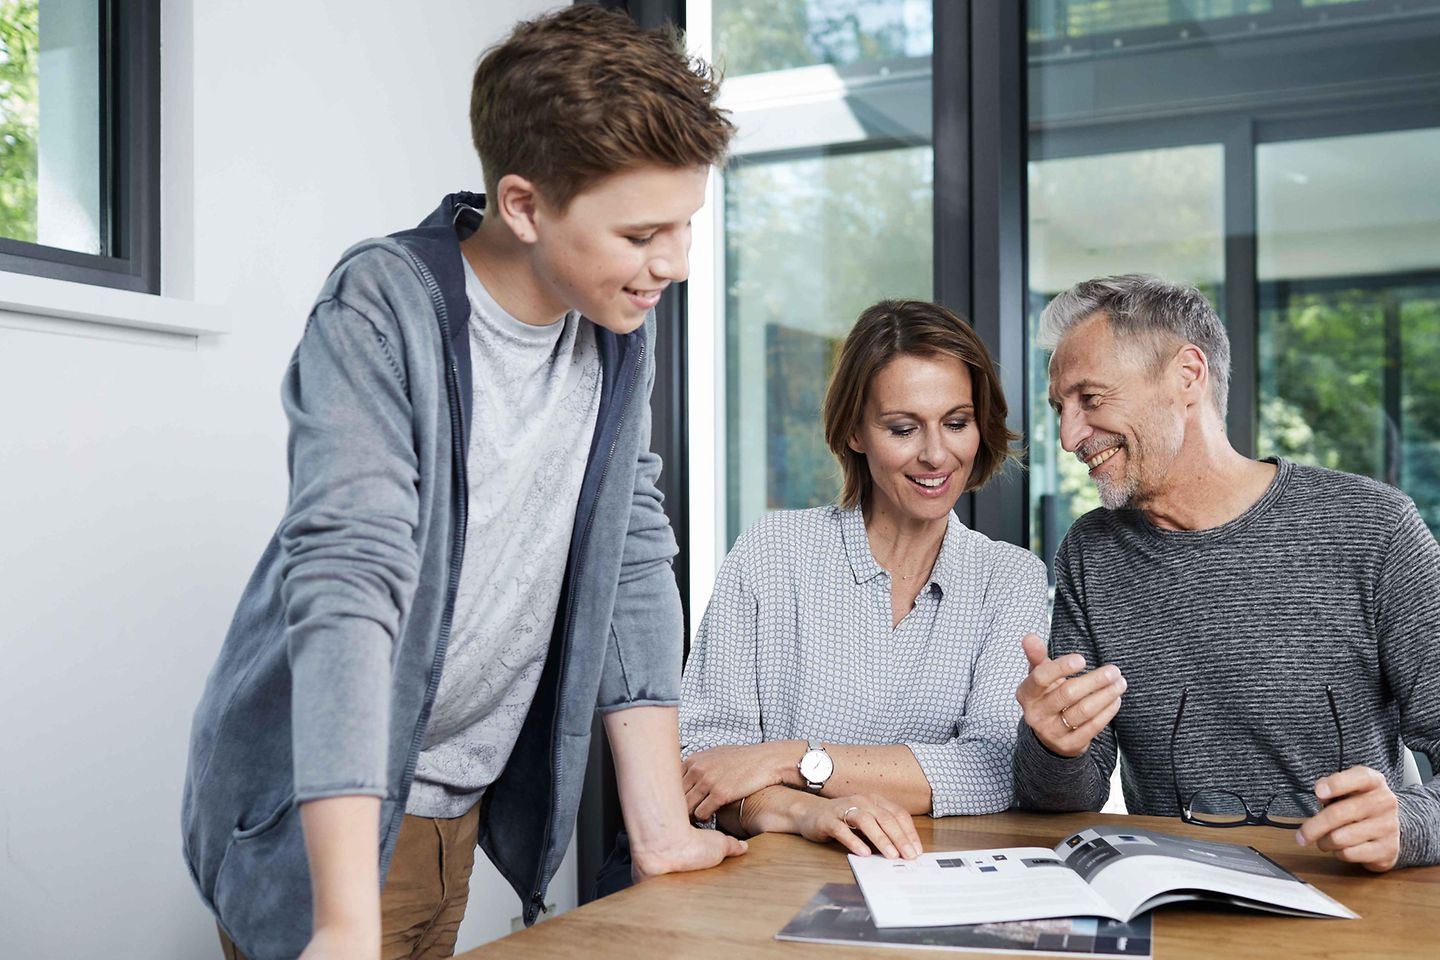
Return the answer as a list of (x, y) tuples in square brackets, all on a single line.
[(1218, 807)]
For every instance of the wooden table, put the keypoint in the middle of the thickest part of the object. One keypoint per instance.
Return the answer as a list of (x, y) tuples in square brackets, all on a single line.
[(734, 910)]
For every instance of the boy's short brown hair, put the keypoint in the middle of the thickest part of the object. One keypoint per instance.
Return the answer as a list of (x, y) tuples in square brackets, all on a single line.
[(584, 92), (916, 328)]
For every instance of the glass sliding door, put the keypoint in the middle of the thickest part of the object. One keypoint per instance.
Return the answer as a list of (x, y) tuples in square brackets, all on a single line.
[(1348, 232)]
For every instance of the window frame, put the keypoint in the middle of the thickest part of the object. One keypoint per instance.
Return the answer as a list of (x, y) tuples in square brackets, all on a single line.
[(130, 163)]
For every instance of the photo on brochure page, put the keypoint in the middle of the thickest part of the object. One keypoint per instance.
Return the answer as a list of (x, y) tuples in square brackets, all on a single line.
[(838, 914)]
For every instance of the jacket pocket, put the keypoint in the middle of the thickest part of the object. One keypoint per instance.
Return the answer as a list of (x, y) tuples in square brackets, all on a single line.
[(262, 890)]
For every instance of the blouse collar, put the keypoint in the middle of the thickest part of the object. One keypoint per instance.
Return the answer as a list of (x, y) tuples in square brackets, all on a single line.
[(946, 572)]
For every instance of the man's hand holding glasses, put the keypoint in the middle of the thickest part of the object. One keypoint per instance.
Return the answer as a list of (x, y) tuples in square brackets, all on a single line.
[(1360, 822), (1352, 814)]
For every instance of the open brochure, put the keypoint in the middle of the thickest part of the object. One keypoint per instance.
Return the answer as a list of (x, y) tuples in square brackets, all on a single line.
[(1113, 872), (837, 914)]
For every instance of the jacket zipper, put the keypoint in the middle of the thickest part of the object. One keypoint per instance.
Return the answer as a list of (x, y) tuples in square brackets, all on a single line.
[(457, 546), (537, 900)]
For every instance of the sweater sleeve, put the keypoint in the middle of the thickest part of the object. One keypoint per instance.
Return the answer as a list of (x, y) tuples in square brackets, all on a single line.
[(1045, 780), (350, 560), (647, 629), (971, 773), (1408, 624)]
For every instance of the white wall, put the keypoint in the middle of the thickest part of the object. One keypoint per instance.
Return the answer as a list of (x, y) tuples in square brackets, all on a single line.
[(141, 476)]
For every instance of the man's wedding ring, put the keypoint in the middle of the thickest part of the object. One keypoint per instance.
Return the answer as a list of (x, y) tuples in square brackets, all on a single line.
[(1067, 723), (845, 817)]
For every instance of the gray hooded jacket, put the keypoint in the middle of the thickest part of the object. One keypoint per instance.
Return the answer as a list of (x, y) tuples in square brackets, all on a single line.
[(325, 681)]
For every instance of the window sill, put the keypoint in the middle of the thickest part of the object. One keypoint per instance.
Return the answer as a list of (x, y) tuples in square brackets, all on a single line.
[(63, 300)]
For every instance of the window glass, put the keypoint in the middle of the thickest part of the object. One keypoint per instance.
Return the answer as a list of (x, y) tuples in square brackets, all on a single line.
[(1188, 152), (50, 168), (755, 36), (810, 242), (827, 209), (1349, 341), (1058, 20)]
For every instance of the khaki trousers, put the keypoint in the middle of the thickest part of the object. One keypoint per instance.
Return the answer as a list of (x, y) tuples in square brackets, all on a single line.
[(426, 890)]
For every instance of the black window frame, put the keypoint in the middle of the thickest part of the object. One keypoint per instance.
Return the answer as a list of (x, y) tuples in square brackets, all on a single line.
[(129, 133)]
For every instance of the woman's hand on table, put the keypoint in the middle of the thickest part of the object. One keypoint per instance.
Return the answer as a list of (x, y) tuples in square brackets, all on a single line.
[(855, 819)]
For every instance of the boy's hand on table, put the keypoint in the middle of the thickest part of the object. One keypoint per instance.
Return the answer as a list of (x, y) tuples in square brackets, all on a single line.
[(694, 849)]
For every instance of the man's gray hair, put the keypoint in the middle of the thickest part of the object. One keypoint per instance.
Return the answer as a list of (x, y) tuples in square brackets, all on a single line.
[(1149, 314)]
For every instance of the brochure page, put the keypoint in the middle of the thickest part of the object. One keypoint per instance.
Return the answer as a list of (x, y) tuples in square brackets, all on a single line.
[(974, 886), (837, 914), (1130, 868), (1107, 871)]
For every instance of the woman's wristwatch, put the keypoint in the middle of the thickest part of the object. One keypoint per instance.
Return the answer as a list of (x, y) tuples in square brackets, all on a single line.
[(815, 767)]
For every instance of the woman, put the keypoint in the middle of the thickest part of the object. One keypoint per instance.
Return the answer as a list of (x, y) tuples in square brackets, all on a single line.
[(858, 662)]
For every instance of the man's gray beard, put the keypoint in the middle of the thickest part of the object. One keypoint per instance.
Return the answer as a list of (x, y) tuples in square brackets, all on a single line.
[(1116, 496), (1121, 495)]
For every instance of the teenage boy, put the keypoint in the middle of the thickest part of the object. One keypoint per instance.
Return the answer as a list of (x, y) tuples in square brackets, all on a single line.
[(474, 555)]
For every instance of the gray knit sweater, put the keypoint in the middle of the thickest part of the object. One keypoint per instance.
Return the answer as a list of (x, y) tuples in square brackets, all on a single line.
[(1328, 578)]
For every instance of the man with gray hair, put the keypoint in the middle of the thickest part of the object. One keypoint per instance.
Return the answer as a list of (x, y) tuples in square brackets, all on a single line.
[(1274, 628)]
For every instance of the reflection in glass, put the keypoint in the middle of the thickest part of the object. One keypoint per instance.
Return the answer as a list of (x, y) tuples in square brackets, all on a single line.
[(1069, 19), (1145, 211), (1349, 340), (810, 242), (754, 36), (50, 169)]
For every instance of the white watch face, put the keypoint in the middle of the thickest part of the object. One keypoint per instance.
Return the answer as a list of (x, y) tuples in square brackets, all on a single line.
[(816, 766)]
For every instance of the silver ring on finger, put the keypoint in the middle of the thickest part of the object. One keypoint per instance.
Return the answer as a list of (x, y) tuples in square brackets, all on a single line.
[(1063, 719), (845, 817)]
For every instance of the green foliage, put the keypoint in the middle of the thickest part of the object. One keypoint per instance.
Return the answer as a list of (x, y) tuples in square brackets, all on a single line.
[(1420, 405), (1322, 363), (1323, 369), (19, 117)]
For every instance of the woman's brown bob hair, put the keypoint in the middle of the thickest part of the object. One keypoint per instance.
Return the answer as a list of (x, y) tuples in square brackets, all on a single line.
[(915, 328)]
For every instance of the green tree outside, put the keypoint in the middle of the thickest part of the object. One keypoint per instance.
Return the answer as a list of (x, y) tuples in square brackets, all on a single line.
[(1323, 366), (19, 117)]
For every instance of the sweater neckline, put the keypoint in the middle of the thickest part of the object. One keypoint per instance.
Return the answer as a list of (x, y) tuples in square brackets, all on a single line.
[(1284, 469)]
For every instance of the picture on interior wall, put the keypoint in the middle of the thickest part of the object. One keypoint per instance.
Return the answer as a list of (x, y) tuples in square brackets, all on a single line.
[(799, 469)]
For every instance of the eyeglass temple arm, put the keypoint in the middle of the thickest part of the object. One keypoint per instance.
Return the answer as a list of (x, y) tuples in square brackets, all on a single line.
[(1339, 729), (1174, 732)]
